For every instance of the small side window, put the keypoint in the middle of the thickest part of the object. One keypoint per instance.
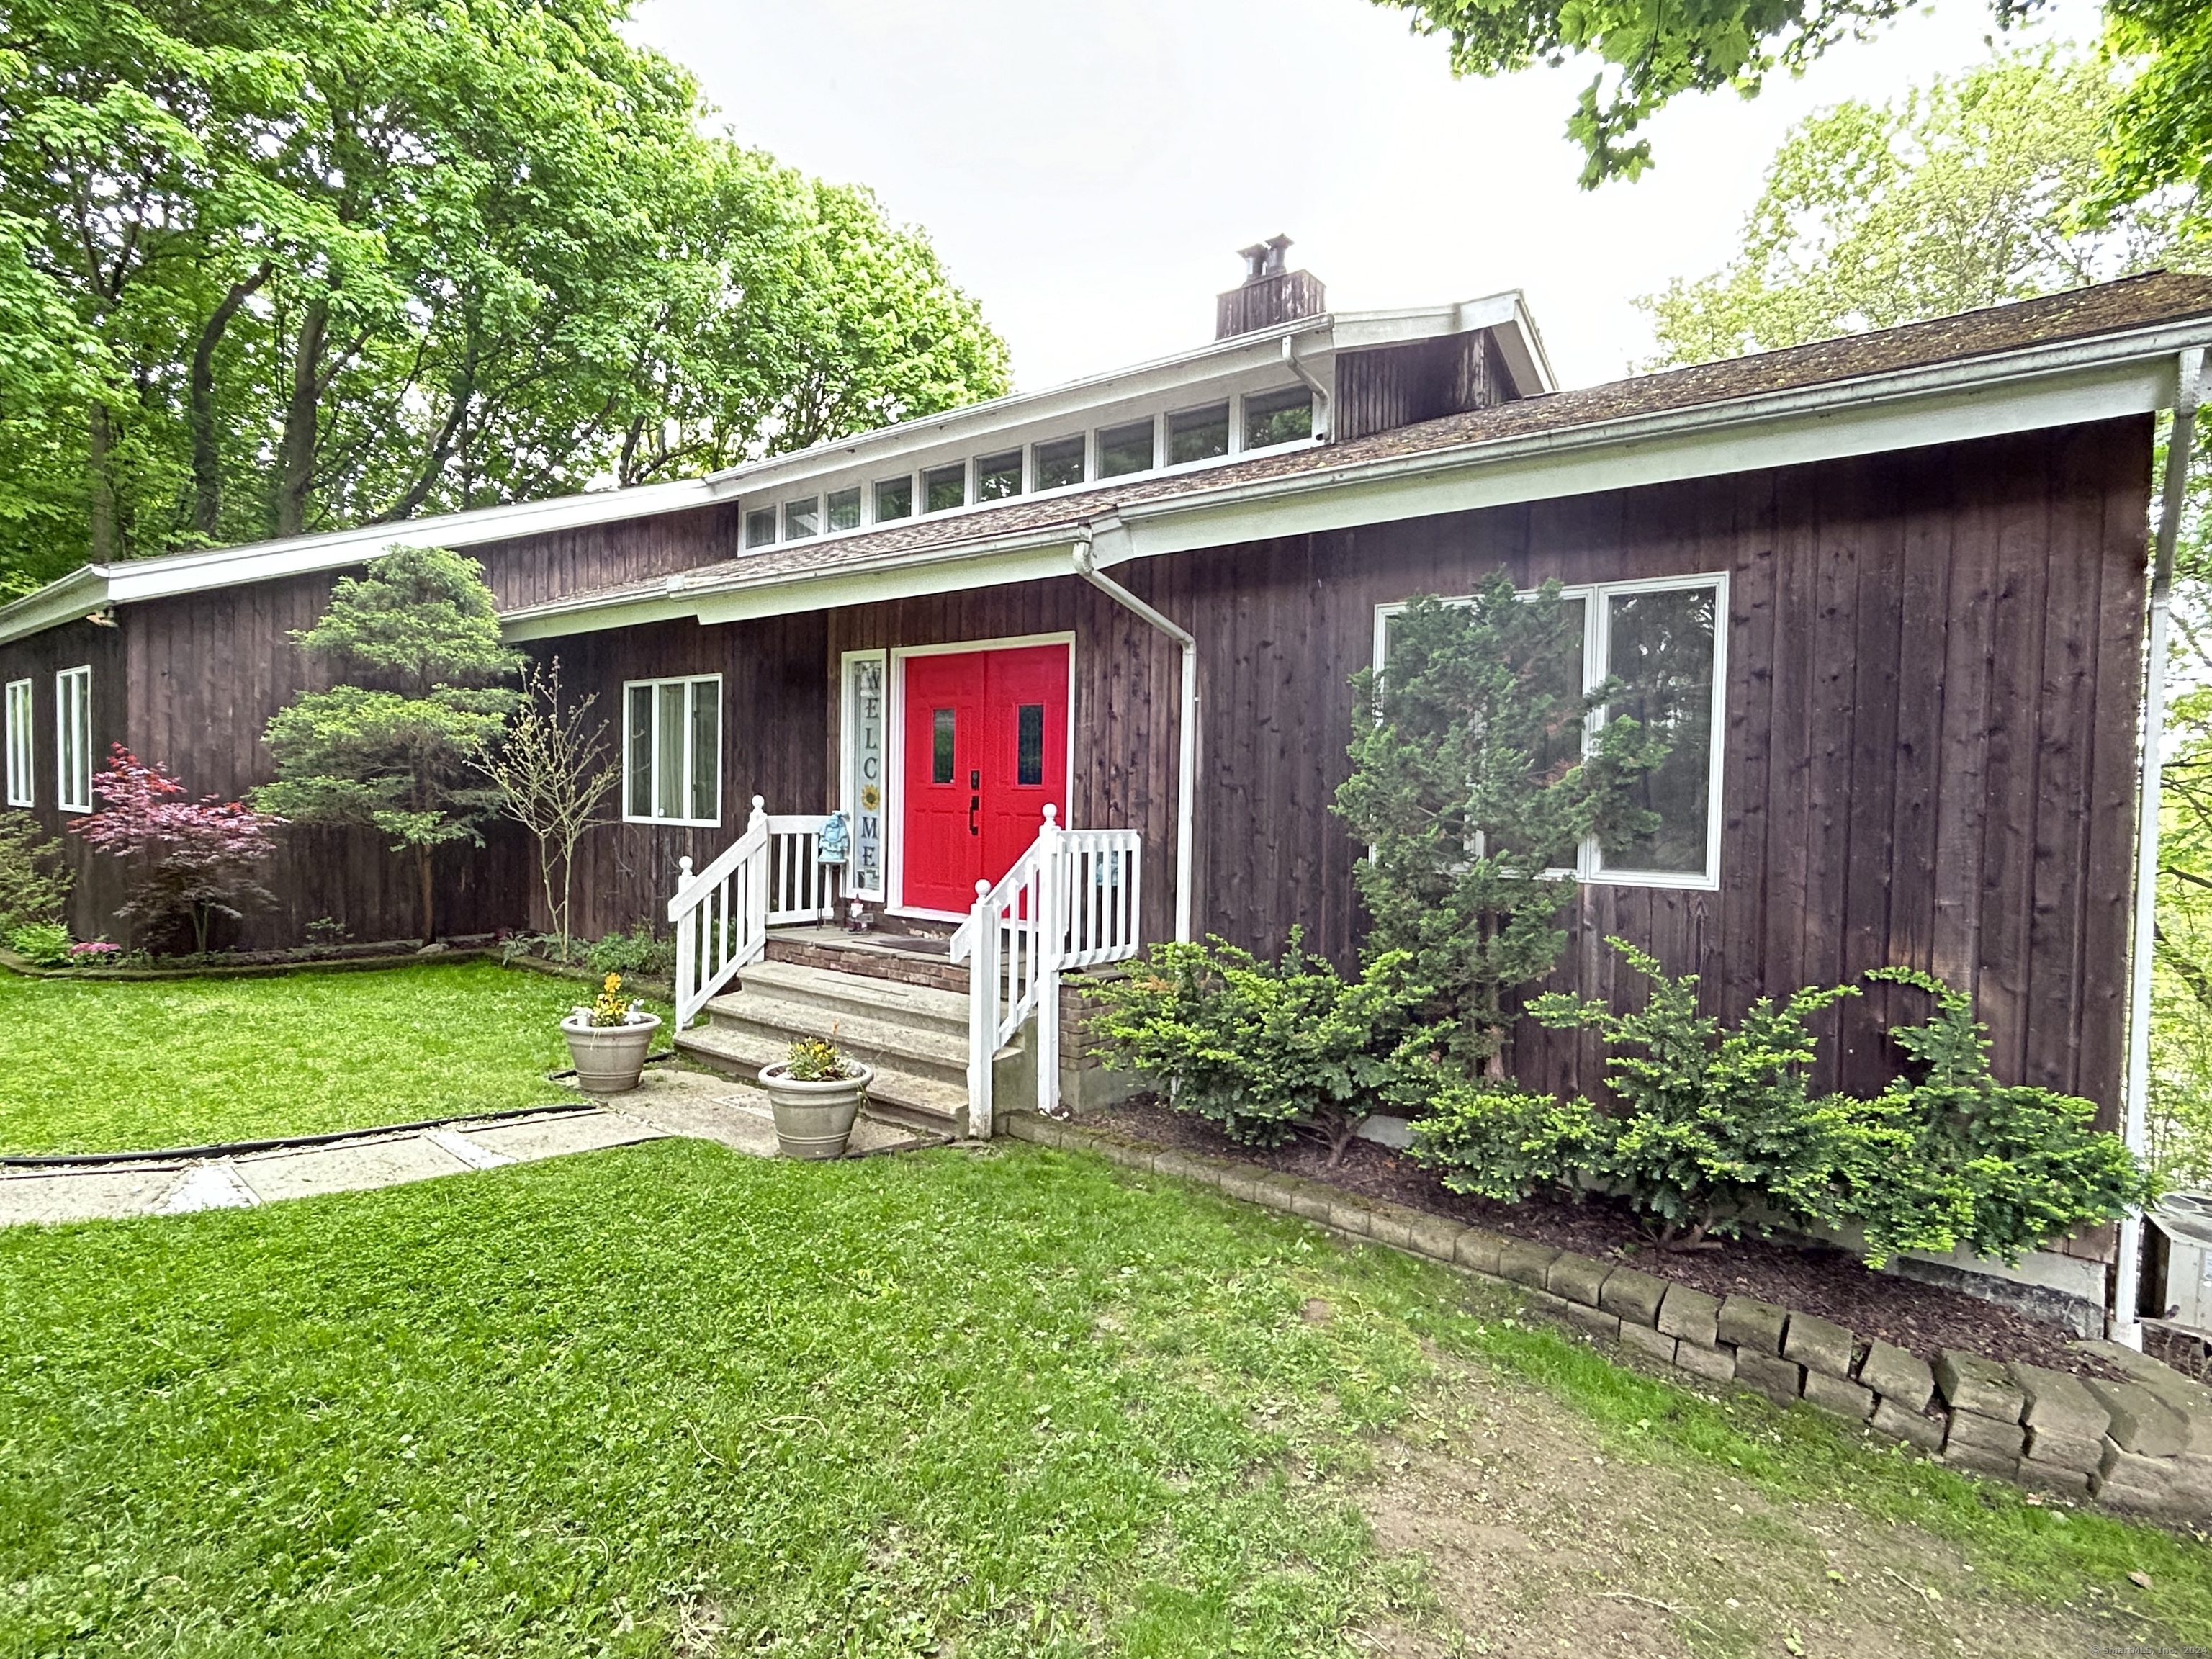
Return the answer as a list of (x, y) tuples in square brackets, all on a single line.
[(998, 477), (1198, 434), (802, 518), (73, 738), (1125, 449), (944, 488), (20, 744), (893, 499), (842, 508), (1060, 463), (1278, 418), (760, 527), (673, 750)]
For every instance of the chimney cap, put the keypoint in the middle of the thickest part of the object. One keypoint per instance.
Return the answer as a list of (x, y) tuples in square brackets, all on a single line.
[(1264, 259)]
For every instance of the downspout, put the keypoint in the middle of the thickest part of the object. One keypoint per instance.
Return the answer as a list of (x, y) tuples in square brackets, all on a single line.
[(2173, 493), (1086, 566), (1323, 407)]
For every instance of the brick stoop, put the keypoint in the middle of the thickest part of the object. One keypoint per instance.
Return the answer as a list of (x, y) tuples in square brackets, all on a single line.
[(2143, 1447)]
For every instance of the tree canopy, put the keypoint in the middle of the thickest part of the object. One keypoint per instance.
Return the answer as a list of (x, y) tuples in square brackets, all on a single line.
[(1971, 191), (269, 266), (1647, 53)]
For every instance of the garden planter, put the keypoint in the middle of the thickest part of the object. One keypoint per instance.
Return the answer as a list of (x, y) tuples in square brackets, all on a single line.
[(608, 1058), (813, 1119)]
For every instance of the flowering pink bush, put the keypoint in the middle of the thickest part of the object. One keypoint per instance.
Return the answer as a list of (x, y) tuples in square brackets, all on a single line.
[(94, 952), (198, 857)]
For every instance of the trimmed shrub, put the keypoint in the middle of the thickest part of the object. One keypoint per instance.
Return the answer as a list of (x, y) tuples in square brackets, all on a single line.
[(1266, 1050), (41, 943), (35, 880), (1503, 1144)]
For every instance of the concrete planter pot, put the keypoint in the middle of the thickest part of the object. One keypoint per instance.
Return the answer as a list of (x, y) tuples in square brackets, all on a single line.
[(608, 1058), (814, 1120)]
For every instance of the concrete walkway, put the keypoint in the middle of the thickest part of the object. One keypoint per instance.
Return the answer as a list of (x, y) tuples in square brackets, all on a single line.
[(667, 1102)]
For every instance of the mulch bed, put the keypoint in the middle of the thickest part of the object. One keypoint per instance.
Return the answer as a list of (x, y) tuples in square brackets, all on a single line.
[(1812, 1278)]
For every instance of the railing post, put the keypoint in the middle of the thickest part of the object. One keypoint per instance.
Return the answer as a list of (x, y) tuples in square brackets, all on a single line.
[(982, 1011), (1050, 923), (687, 949), (756, 889)]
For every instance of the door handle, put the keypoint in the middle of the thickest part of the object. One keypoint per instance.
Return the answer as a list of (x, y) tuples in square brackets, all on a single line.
[(975, 804)]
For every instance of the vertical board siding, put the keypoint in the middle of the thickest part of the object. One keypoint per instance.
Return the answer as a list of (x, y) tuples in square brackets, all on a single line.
[(1398, 386)]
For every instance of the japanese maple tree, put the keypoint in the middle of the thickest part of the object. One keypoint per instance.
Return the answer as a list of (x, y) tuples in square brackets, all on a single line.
[(194, 860)]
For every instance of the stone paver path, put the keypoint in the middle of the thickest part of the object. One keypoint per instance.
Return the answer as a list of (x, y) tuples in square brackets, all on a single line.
[(667, 1102)]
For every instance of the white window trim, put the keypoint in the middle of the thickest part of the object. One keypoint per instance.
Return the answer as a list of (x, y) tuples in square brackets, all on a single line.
[(22, 744), (721, 738), (1597, 615), (66, 798)]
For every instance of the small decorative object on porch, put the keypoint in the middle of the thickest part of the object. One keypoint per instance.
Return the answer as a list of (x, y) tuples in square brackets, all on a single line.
[(816, 1093), (608, 1041), (858, 917), (834, 844)]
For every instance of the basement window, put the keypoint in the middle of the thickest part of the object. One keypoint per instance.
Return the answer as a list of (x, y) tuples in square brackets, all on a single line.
[(1125, 449), (1278, 418), (760, 527), (802, 518), (20, 743), (998, 477), (73, 738), (944, 488), (893, 499), (1060, 463), (841, 508), (672, 751), (1663, 645), (1198, 434)]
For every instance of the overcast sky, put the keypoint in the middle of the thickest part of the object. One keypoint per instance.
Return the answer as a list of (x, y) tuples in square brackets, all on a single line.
[(1088, 171)]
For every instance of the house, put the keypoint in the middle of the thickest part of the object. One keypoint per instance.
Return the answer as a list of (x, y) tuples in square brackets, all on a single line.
[(1909, 565)]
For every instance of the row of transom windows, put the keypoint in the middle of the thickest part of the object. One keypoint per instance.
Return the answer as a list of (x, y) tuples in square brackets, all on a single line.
[(1259, 420)]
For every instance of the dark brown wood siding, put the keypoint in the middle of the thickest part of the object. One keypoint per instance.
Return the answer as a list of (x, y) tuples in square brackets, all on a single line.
[(775, 744), (1933, 673), (96, 891), (534, 569), (1396, 386)]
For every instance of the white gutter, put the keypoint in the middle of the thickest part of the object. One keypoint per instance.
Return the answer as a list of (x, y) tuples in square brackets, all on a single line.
[(2173, 496), (1323, 406), (1186, 713)]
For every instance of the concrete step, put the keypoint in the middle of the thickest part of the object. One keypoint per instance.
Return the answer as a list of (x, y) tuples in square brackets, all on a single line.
[(859, 996), (896, 1095), (920, 1050)]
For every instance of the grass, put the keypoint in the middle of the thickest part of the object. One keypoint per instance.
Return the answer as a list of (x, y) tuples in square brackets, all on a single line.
[(86, 1066), (988, 1405)]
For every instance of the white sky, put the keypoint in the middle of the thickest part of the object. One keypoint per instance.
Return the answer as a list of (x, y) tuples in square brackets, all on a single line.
[(1088, 171)]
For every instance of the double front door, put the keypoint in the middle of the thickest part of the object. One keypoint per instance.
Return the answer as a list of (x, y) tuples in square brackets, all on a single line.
[(986, 742)]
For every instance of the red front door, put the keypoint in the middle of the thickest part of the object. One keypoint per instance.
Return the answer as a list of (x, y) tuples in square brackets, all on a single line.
[(986, 752)]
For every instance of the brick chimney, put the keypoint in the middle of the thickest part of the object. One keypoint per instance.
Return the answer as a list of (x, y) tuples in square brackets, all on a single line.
[(1268, 294)]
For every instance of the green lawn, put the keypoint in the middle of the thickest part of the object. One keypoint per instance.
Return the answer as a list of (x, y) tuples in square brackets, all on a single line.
[(119, 1066), (955, 1404)]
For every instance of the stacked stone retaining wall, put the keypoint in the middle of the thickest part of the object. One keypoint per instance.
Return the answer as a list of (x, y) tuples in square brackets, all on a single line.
[(2142, 1446)]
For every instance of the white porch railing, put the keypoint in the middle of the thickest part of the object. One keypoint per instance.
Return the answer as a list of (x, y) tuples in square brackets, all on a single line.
[(768, 877), (1073, 900)]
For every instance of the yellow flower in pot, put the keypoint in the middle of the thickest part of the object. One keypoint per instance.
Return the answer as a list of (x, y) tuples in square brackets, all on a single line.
[(815, 1093), (608, 1040)]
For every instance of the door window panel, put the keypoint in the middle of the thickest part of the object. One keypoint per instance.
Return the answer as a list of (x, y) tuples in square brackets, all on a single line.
[(940, 746), (1028, 743)]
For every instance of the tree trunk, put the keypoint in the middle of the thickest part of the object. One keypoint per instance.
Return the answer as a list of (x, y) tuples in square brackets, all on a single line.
[(422, 876), (295, 453), (206, 446), (100, 442)]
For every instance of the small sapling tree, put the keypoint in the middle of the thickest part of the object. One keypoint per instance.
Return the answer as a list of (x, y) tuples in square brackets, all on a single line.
[(1474, 785), (553, 777), (398, 752), (194, 861)]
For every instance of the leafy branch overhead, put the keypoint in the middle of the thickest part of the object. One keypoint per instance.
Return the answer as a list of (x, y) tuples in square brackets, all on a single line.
[(1644, 54)]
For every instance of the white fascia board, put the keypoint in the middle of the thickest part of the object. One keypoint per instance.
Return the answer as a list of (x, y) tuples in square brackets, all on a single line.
[(67, 599), (1550, 465)]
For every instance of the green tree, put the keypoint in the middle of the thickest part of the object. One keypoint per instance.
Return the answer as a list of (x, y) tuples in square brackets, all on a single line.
[(1648, 53), (399, 754), (1473, 787), (1969, 192), (279, 265)]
